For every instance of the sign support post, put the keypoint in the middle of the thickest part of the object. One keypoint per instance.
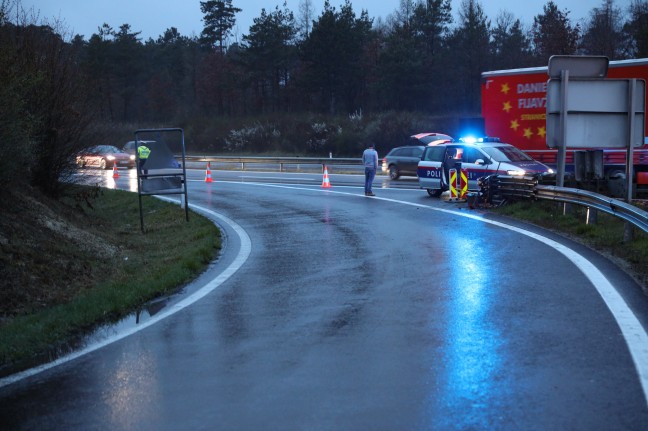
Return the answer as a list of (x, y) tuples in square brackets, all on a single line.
[(628, 232), (562, 148)]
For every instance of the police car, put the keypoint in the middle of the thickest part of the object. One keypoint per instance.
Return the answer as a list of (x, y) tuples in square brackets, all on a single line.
[(477, 157)]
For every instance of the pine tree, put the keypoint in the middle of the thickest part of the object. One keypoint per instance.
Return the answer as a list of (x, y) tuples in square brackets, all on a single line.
[(603, 34), (219, 20), (553, 33), (637, 28)]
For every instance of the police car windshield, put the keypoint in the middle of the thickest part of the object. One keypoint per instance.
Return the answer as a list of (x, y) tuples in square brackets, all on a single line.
[(506, 154)]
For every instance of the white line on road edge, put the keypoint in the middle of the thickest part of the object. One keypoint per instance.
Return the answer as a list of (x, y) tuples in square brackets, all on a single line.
[(633, 332), (243, 254)]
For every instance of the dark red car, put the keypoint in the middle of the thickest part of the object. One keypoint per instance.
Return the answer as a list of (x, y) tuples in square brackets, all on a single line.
[(105, 157)]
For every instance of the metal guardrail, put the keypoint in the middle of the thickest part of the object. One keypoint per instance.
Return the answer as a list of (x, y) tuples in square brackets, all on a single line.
[(615, 207), (528, 187), (281, 161)]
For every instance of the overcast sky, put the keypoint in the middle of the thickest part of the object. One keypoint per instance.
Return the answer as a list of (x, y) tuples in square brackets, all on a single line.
[(153, 17)]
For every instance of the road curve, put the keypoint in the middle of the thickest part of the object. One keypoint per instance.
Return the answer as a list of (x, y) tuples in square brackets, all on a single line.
[(361, 313)]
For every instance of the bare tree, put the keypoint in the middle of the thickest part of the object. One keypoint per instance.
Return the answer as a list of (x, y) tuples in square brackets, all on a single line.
[(45, 109), (405, 13), (305, 18)]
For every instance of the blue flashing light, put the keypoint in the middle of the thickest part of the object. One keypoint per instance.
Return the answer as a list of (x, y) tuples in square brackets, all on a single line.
[(473, 140)]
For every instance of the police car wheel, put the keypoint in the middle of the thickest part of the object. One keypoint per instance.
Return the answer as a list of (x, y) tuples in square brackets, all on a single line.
[(103, 164), (435, 193)]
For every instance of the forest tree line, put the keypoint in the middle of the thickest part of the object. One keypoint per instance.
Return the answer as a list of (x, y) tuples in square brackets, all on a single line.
[(294, 83)]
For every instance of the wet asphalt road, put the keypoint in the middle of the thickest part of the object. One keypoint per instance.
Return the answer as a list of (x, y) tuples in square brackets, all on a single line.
[(357, 313)]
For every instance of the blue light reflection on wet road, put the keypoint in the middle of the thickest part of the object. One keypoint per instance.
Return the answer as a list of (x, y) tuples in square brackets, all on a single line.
[(471, 357)]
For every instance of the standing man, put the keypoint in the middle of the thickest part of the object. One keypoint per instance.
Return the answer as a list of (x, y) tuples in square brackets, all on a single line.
[(143, 153), (370, 162)]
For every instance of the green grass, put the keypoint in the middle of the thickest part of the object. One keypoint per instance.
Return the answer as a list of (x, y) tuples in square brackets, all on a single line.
[(605, 236), (143, 266)]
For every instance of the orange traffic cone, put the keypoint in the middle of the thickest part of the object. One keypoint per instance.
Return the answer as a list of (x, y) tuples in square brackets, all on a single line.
[(326, 184), (208, 177), (115, 171)]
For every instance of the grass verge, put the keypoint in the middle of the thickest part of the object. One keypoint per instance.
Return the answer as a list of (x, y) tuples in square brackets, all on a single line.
[(605, 236), (87, 263)]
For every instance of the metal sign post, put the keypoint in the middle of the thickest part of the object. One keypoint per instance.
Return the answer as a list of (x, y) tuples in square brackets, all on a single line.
[(168, 176), (586, 111), (562, 149), (632, 86), (628, 232)]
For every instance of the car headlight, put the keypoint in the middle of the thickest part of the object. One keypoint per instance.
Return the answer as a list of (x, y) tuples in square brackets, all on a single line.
[(111, 158), (516, 172), (132, 157)]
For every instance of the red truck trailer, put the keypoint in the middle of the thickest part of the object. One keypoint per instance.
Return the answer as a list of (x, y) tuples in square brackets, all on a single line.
[(514, 109)]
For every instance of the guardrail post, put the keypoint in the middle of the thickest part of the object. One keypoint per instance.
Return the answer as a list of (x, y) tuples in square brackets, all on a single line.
[(567, 208), (591, 216), (628, 232), (281, 167)]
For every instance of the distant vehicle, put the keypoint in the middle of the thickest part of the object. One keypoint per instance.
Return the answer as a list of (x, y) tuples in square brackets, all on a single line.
[(478, 158), (105, 157), (402, 161), (131, 148)]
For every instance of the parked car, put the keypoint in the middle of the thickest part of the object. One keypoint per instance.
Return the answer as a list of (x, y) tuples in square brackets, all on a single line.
[(477, 159), (402, 161), (105, 157)]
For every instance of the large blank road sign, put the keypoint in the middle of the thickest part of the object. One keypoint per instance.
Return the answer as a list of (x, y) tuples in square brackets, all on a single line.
[(597, 113)]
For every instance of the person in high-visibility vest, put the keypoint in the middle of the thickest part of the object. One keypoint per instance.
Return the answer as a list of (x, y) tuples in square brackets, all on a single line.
[(143, 153)]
